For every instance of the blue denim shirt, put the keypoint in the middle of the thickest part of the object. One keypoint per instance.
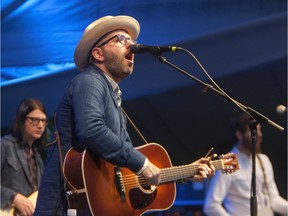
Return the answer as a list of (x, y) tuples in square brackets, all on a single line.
[(87, 117)]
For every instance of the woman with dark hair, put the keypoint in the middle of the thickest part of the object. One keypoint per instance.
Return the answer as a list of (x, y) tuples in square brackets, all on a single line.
[(21, 163)]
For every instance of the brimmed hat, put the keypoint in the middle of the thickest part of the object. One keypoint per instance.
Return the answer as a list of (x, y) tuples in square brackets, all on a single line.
[(97, 29)]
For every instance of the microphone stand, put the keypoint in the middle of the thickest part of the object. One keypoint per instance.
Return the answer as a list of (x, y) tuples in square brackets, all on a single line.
[(256, 118), (253, 198)]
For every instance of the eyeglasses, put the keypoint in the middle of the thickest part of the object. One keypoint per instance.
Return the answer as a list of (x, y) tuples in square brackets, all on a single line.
[(35, 121), (121, 38)]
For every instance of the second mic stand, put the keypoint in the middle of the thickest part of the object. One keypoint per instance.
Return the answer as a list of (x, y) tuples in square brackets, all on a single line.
[(253, 198), (256, 118)]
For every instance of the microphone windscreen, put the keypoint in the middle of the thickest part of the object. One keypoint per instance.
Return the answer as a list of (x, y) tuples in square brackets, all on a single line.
[(280, 109)]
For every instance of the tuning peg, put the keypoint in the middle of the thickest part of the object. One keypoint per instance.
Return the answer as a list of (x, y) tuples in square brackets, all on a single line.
[(214, 156)]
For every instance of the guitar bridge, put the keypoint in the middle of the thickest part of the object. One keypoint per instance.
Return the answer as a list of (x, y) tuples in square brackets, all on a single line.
[(119, 183)]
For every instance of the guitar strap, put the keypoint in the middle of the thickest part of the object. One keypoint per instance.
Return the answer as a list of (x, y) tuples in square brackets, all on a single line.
[(267, 210), (72, 190), (264, 173), (134, 126)]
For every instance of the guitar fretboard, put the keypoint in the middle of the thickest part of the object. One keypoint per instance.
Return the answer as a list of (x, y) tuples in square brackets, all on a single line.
[(180, 172)]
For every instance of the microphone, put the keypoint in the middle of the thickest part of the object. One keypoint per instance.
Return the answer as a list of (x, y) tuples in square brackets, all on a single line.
[(280, 109), (140, 48)]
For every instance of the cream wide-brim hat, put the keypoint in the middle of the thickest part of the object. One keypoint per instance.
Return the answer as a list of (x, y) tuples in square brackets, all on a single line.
[(98, 29)]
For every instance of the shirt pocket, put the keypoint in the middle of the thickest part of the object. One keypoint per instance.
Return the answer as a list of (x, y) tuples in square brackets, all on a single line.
[(14, 163)]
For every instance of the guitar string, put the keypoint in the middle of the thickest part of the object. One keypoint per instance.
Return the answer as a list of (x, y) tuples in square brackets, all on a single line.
[(167, 174), (132, 180), (180, 169), (168, 171)]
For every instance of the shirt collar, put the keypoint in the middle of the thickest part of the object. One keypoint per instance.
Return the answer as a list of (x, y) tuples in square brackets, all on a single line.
[(115, 88), (114, 85)]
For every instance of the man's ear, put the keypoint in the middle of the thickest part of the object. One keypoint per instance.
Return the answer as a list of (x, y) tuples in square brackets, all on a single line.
[(97, 54), (239, 135)]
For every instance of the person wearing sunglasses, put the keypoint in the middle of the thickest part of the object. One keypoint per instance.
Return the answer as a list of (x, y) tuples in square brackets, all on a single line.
[(21, 163), (90, 116)]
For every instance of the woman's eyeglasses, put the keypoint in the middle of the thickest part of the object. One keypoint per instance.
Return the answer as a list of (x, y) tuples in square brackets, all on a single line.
[(35, 121)]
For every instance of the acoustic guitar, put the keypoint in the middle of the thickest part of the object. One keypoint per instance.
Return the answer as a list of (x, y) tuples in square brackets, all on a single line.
[(97, 187), (13, 211)]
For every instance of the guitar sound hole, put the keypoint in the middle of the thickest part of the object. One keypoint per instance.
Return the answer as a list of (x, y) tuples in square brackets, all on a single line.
[(140, 199)]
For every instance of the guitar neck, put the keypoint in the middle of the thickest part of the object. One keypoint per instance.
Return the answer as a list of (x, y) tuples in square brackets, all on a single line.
[(180, 172)]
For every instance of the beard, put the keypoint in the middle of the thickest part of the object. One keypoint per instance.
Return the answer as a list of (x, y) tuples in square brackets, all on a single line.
[(118, 67), (247, 144)]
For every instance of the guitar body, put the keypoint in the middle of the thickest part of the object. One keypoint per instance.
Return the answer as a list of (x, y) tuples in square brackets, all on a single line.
[(99, 195)]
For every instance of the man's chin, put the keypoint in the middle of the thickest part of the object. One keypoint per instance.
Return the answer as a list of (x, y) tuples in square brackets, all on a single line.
[(126, 74), (258, 150)]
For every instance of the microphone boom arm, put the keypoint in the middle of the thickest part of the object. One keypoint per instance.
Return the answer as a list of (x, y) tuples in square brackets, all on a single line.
[(253, 113)]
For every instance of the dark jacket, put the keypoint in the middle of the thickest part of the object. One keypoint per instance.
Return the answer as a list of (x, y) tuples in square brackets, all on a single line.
[(14, 170), (88, 116)]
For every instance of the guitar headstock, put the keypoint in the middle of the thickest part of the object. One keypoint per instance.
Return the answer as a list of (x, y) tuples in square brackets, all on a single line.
[(229, 162)]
